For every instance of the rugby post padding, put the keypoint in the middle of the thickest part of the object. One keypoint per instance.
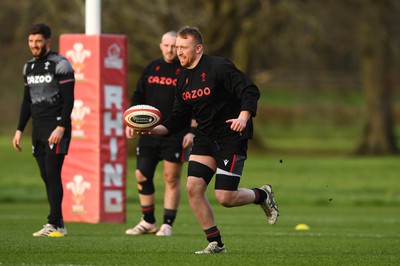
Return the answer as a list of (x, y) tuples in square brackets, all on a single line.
[(94, 171)]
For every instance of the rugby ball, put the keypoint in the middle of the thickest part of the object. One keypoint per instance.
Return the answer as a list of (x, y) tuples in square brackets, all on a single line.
[(142, 116)]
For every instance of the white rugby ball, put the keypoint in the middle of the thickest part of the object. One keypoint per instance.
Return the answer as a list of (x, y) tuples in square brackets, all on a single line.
[(142, 116)]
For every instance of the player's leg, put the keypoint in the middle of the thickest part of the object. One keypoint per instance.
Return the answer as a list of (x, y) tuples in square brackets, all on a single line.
[(173, 157), (55, 156), (146, 189), (144, 175), (201, 170), (229, 170), (41, 162), (172, 181), (54, 163), (227, 180), (50, 165), (40, 158)]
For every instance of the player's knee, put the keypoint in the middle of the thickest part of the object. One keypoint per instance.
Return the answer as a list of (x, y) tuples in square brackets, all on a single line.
[(225, 198), (139, 176), (172, 179), (226, 186), (192, 190), (145, 185)]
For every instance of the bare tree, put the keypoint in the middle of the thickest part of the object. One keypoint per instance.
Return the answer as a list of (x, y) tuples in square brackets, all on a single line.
[(377, 63)]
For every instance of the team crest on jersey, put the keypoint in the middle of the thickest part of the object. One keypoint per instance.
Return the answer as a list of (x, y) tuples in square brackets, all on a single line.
[(203, 77), (158, 68)]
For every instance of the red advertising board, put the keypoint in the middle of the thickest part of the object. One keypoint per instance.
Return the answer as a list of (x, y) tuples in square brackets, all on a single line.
[(94, 172)]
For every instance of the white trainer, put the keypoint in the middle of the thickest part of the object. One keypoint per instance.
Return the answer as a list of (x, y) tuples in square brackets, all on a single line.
[(165, 230), (63, 230), (269, 206), (51, 231), (212, 248), (142, 228)]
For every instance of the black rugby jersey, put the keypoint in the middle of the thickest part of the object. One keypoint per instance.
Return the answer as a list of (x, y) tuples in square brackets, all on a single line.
[(49, 90), (157, 86), (214, 91)]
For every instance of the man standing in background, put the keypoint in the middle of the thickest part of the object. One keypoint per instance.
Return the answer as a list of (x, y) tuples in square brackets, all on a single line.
[(48, 98)]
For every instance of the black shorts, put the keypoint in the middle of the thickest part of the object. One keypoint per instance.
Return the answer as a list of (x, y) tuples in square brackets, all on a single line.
[(41, 132), (161, 148), (229, 156)]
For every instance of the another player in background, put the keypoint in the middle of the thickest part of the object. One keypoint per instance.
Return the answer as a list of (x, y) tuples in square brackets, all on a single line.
[(48, 98), (156, 87), (223, 101)]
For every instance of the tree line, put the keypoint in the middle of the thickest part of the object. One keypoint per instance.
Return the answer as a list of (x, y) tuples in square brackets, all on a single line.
[(265, 38)]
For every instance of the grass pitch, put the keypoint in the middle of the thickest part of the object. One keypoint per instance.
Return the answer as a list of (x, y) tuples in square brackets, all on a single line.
[(350, 204), (337, 236)]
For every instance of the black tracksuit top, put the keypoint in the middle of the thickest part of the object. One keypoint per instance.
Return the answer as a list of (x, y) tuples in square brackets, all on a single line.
[(213, 92), (49, 90)]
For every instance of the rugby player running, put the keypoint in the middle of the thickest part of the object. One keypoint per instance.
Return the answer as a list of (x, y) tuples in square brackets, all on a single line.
[(223, 101)]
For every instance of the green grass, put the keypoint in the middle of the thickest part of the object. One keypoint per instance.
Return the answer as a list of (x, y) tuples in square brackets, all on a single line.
[(350, 203), (338, 236)]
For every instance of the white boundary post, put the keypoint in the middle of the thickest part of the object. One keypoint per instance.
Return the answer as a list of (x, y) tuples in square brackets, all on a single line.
[(93, 17)]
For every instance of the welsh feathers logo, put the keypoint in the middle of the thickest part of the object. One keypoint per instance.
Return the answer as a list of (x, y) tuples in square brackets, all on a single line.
[(78, 186), (78, 55), (78, 115)]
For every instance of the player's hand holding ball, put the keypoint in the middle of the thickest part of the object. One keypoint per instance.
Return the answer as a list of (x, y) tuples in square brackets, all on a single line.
[(140, 119)]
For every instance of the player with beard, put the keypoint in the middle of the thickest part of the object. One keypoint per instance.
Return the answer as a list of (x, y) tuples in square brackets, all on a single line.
[(223, 101), (48, 99)]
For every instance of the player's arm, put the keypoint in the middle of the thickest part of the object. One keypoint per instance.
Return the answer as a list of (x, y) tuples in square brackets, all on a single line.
[(67, 93), (239, 124), (66, 78), (240, 86), (180, 117), (188, 138), (24, 116), (56, 135), (17, 140), (129, 132), (66, 85)]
